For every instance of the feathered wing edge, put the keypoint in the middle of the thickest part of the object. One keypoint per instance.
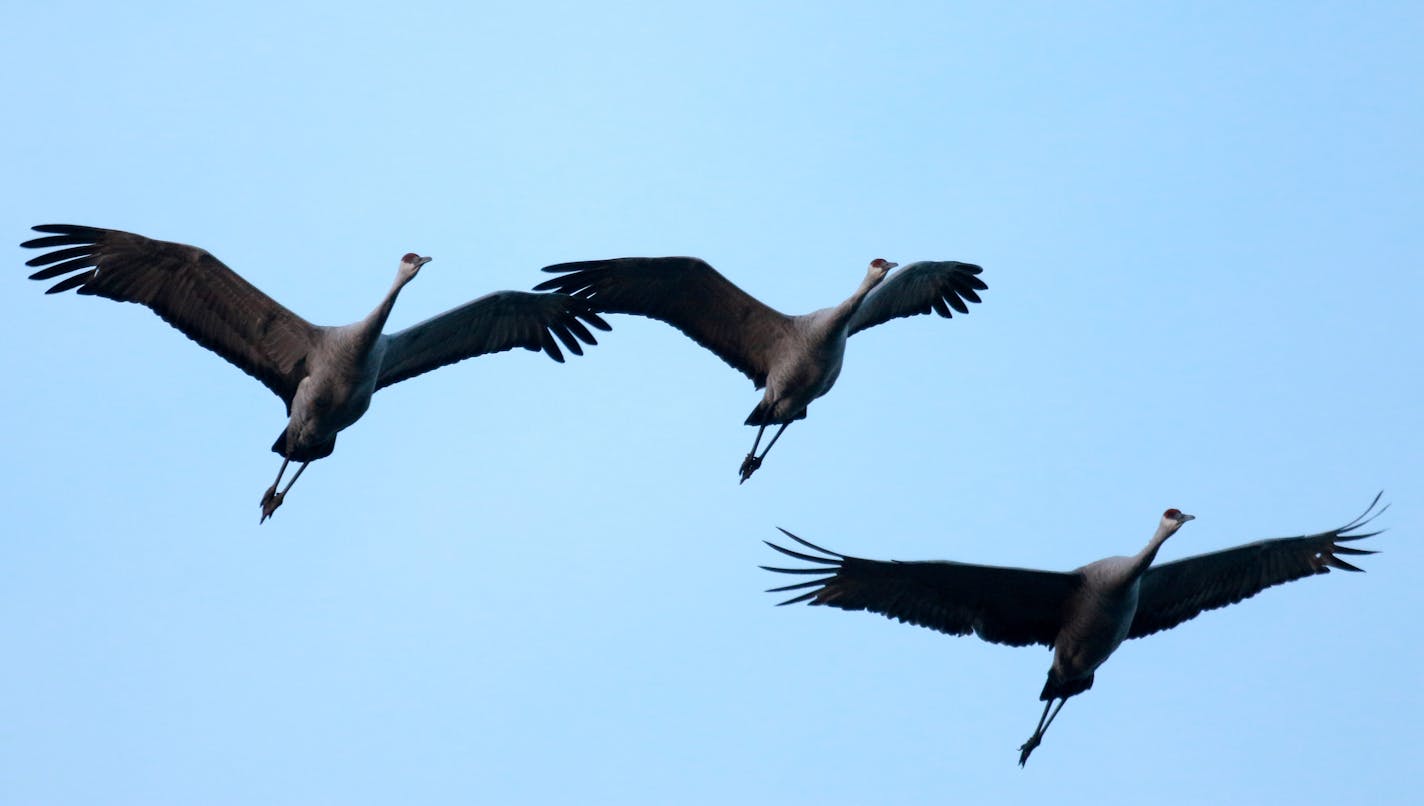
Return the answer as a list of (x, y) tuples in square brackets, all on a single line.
[(188, 288), (1014, 606), (686, 293), (939, 286), (1179, 591), (834, 559), (494, 323)]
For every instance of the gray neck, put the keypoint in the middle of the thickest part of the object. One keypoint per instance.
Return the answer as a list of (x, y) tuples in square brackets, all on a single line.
[(1144, 558), (841, 314), (369, 329)]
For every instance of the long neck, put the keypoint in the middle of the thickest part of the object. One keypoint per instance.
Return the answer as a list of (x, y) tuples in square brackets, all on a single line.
[(369, 329), (1144, 558), (842, 313)]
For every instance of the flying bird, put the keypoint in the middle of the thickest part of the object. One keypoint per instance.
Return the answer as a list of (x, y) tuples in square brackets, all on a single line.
[(1082, 614), (796, 359), (324, 375)]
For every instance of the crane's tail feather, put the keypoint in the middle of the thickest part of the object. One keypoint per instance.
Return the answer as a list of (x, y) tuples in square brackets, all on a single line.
[(761, 415)]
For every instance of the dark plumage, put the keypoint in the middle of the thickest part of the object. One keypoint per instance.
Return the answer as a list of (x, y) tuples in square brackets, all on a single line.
[(796, 359), (324, 375), (1082, 614)]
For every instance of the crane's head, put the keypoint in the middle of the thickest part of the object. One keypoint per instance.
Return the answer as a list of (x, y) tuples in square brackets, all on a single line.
[(1173, 519), (410, 266), (879, 267)]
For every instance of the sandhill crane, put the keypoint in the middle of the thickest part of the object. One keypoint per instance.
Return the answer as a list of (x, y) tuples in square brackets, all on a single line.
[(324, 375), (1083, 614), (796, 358)]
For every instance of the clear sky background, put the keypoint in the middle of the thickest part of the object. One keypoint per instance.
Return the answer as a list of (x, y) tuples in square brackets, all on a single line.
[(521, 582)]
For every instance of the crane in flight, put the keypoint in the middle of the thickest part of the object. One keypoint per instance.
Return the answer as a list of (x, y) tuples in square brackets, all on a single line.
[(1084, 614), (796, 359), (324, 375)]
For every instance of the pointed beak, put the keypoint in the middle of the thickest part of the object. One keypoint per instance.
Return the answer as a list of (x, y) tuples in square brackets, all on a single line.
[(422, 261), (1186, 517)]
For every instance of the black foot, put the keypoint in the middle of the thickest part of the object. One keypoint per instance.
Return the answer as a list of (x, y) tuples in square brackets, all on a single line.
[(749, 466), (270, 501), (1027, 747)]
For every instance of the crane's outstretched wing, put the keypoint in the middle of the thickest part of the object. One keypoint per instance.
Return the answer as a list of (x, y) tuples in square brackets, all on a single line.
[(491, 324), (192, 290), (920, 287), (1175, 592), (1015, 606), (686, 293)]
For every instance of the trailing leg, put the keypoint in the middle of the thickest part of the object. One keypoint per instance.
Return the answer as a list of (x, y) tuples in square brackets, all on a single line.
[(1043, 722), (752, 462), (273, 499)]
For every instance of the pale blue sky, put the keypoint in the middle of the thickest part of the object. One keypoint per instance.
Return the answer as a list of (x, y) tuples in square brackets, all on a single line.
[(519, 582)]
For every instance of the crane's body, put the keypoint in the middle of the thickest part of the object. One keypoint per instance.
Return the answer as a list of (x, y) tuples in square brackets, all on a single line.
[(794, 359), (1097, 621), (1098, 616), (805, 363), (1084, 614), (343, 366), (324, 375)]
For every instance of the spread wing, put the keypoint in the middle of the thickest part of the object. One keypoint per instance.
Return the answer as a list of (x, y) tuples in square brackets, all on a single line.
[(1015, 606), (688, 294), (190, 289), (491, 324), (1175, 592), (929, 285)]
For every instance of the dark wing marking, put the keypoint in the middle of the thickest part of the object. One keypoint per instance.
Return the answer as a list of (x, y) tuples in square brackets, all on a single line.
[(1015, 606), (491, 324), (1175, 592), (686, 293), (929, 285), (190, 289)]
